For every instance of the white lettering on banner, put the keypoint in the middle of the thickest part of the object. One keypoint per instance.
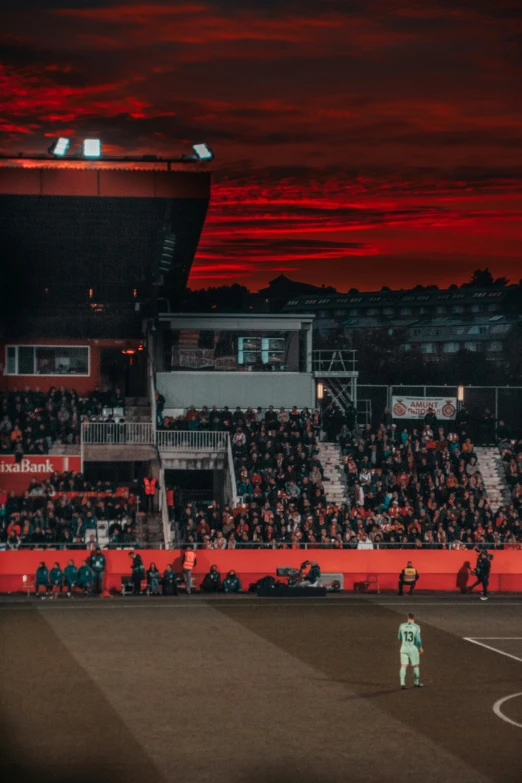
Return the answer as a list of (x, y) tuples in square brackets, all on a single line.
[(445, 408), (26, 466)]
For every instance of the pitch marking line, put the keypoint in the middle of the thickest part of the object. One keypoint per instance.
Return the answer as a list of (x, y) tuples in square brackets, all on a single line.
[(498, 712), (480, 641)]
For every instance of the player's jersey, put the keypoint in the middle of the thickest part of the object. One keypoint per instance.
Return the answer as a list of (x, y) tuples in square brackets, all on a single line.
[(410, 636)]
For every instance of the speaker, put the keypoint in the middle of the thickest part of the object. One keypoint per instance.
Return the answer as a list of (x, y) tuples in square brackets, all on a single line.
[(282, 591)]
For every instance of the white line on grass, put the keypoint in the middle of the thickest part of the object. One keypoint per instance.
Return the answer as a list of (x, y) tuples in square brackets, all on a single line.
[(477, 641), (498, 712)]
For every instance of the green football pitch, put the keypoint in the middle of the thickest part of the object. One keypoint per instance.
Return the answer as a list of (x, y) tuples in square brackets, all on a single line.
[(259, 690)]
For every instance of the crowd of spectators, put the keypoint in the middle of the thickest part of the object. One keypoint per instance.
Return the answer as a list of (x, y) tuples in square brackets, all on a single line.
[(411, 487), (32, 420), (63, 512), (511, 451)]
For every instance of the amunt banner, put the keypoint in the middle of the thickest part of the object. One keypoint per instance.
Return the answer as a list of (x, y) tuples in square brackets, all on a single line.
[(445, 408), (17, 475)]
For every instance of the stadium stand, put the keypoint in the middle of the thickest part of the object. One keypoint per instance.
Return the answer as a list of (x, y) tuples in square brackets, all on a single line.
[(31, 420), (67, 512), (419, 487)]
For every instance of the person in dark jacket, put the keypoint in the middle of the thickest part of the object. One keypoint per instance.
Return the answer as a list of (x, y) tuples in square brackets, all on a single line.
[(212, 581), (169, 583), (231, 583), (55, 578), (137, 572), (70, 577), (97, 562), (481, 571), (42, 578), (85, 577), (153, 579), (310, 579)]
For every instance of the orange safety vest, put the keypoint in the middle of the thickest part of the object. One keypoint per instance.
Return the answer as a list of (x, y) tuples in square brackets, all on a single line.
[(170, 497), (150, 486), (189, 560)]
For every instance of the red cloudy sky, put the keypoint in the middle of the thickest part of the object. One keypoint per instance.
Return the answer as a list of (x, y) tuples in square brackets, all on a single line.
[(358, 143)]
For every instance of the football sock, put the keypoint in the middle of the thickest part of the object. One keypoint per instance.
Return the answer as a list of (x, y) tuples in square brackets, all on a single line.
[(403, 675), (416, 675)]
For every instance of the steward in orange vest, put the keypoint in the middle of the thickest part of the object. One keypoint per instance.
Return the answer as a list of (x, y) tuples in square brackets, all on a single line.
[(189, 561), (150, 485)]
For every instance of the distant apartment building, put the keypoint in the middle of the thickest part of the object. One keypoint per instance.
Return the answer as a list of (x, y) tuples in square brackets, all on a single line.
[(435, 323)]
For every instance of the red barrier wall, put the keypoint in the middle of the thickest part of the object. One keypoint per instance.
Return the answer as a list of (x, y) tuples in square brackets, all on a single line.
[(438, 570)]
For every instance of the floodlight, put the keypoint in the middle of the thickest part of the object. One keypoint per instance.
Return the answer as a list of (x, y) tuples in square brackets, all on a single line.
[(460, 394), (59, 147), (91, 148), (203, 152), (320, 391)]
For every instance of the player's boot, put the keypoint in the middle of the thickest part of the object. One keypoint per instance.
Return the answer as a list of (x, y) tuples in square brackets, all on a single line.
[(403, 687), (483, 598), (419, 685)]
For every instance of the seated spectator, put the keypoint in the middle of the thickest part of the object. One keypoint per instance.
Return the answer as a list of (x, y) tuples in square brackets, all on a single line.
[(212, 581), (231, 583)]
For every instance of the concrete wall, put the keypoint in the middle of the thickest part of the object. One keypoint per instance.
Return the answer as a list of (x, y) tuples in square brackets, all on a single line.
[(182, 389)]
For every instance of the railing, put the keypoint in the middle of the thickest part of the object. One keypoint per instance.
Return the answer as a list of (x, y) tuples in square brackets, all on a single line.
[(333, 361), (204, 440), (230, 479), (167, 537), (97, 433)]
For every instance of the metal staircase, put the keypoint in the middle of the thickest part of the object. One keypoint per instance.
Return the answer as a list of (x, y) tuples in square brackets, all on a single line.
[(330, 458), (492, 470)]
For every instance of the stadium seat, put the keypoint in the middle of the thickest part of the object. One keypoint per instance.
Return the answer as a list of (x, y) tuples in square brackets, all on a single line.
[(102, 532)]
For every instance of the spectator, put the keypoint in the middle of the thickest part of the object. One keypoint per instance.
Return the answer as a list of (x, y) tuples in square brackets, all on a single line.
[(364, 542)]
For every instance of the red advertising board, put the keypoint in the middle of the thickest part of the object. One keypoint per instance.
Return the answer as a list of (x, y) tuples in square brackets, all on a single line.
[(16, 476)]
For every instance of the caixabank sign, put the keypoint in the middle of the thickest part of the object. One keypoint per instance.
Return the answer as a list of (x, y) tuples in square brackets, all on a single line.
[(17, 474)]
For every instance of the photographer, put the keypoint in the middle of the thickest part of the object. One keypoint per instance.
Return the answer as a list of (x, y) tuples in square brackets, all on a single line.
[(482, 570)]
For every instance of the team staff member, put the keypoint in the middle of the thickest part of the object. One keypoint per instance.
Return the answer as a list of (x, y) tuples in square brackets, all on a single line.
[(212, 581), (231, 583), (310, 579), (42, 578), (97, 562), (408, 577), (85, 577), (137, 573), (189, 561), (55, 578), (153, 579), (150, 487), (70, 576), (481, 571), (169, 585)]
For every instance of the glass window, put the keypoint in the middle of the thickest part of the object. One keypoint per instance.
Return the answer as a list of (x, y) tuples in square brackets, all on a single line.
[(428, 348), (450, 347), (474, 347), (354, 311), (372, 311), (47, 360), (388, 310), (406, 346), (457, 309), (440, 309), (25, 360), (495, 345), (62, 360), (405, 311), (11, 360), (221, 350)]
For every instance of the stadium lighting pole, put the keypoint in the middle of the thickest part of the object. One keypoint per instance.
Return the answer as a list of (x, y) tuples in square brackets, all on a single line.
[(460, 396), (91, 148), (59, 147)]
